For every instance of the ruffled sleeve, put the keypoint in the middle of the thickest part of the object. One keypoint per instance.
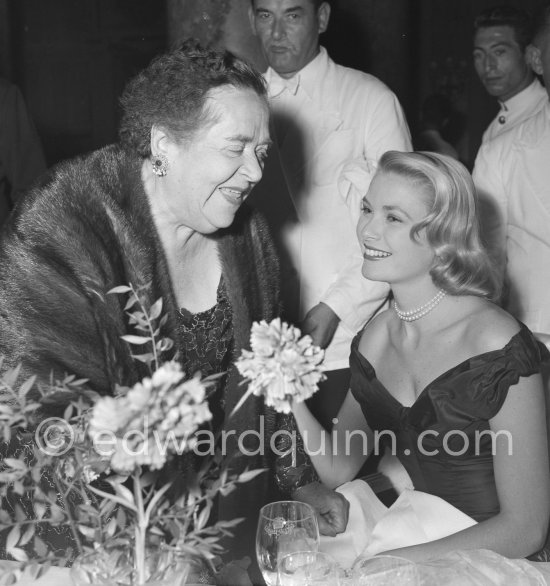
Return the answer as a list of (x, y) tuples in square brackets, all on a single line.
[(523, 356)]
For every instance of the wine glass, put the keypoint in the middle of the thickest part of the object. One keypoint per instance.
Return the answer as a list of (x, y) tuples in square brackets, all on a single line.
[(308, 568), (284, 527)]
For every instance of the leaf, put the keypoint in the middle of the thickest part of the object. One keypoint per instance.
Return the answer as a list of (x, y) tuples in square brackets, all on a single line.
[(86, 531), (39, 546), (5, 517), (112, 497), (120, 289), (203, 517), (248, 475), (18, 554), (164, 344), (106, 507), (39, 509), (10, 376), (146, 358), (27, 536), (156, 309), (130, 303), (121, 518), (230, 524), (79, 382), (110, 528), (68, 413), (56, 513), (15, 464), (135, 339), (147, 479), (227, 489), (123, 492), (26, 386), (13, 537), (20, 514)]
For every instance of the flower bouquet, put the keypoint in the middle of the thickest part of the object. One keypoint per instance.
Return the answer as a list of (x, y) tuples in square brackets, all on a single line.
[(282, 365), (88, 487)]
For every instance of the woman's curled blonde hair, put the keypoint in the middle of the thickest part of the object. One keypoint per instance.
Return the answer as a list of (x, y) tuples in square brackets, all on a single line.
[(462, 265)]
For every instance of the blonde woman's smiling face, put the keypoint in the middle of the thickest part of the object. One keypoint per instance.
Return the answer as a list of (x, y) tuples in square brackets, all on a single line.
[(392, 206)]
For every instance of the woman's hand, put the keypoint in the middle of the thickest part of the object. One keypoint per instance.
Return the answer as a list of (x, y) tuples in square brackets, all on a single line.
[(331, 507)]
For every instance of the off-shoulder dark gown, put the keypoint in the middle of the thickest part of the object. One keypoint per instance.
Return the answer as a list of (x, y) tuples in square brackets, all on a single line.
[(457, 405)]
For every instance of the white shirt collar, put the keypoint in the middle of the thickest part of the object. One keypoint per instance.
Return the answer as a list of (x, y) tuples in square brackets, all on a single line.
[(307, 78), (522, 99)]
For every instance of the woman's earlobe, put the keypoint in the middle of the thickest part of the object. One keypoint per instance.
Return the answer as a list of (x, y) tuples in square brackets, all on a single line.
[(159, 139)]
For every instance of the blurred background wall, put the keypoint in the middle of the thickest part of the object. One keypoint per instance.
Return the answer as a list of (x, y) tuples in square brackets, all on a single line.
[(71, 58)]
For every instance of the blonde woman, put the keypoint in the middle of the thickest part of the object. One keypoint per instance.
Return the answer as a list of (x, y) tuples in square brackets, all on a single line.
[(443, 365)]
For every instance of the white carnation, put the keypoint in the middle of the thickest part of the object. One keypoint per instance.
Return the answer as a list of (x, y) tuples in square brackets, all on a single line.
[(282, 366)]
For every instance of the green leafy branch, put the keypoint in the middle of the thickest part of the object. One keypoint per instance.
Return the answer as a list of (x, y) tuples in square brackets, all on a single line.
[(144, 321)]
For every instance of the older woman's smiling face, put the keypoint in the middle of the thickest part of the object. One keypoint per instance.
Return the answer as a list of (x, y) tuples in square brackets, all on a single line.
[(211, 174)]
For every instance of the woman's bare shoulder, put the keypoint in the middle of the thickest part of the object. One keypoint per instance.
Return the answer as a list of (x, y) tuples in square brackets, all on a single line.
[(490, 328), (375, 334)]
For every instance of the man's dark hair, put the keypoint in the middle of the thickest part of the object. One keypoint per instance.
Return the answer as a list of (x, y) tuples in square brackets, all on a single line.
[(316, 3), (518, 19)]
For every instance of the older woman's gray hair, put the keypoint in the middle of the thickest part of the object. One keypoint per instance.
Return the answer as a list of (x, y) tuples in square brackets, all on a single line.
[(172, 92)]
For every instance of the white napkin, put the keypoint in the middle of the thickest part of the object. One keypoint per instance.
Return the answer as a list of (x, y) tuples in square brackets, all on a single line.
[(415, 517)]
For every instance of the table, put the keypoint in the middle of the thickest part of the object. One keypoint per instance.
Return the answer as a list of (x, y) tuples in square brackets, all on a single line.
[(61, 576)]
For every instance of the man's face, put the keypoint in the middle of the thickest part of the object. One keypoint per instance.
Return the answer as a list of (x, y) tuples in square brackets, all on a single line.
[(289, 32), (500, 63)]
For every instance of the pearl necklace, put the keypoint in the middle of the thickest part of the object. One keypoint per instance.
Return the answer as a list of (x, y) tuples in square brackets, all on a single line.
[(421, 311)]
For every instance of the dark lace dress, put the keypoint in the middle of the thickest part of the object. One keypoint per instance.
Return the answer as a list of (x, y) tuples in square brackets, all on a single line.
[(208, 347), (459, 403)]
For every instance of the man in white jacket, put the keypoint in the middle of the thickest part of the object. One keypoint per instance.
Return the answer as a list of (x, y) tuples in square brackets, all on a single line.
[(512, 174), (330, 126), (502, 57)]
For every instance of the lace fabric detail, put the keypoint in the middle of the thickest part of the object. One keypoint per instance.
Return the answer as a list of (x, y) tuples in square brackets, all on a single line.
[(206, 346), (293, 468), (207, 336), (58, 537)]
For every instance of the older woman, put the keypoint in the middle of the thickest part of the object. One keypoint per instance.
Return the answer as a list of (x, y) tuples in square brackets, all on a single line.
[(163, 211)]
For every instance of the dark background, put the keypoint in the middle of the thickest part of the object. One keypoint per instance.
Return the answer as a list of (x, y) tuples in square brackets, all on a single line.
[(71, 58)]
